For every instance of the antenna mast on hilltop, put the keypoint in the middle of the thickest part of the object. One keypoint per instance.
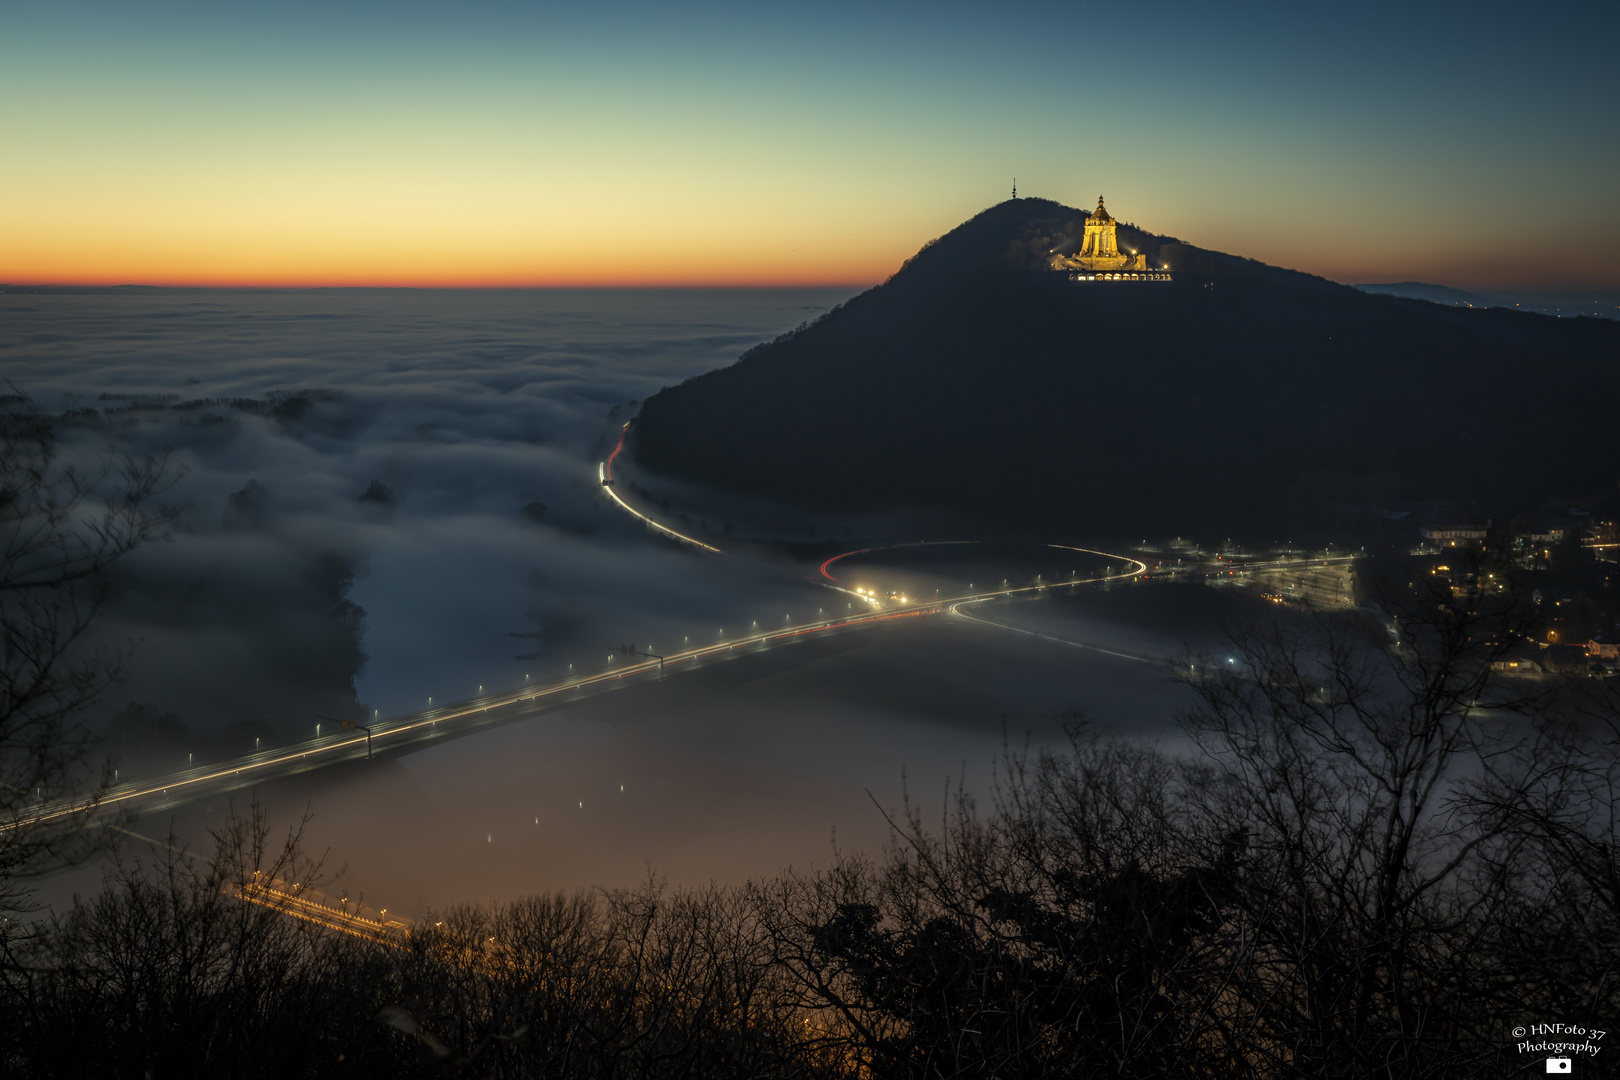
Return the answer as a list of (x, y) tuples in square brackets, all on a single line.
[(1015, 187)]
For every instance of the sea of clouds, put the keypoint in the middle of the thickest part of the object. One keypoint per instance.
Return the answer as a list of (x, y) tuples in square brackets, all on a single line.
[(392, 494), (386, 495), (484, 553)]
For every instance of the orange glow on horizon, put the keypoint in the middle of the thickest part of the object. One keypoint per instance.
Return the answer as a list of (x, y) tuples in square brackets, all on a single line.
[(180, 279), (703, 146), (449, 232), (621, 239), (258, 265)]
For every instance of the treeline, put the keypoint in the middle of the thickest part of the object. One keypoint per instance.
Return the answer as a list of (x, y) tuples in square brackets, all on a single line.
[(1372, 862)]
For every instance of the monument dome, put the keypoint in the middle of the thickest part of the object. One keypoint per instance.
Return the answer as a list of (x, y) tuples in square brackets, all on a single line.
[(1099, 249)]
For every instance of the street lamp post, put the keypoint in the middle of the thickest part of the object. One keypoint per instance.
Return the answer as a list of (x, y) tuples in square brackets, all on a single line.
[(630, 650), (350, 725)]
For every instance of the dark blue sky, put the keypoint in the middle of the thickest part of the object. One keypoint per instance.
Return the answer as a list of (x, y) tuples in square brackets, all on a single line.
[(517, 143)]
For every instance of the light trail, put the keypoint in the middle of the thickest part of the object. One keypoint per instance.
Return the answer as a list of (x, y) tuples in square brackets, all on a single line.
[(956, 609), (460, 717), (956, 605), (604, 474), (452, 719), (887, 547), (1141, 567)]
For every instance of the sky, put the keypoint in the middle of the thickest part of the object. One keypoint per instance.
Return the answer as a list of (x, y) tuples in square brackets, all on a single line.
[(661, 144)]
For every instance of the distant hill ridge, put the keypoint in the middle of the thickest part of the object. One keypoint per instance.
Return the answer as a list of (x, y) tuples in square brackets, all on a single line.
[(1239, 397), (1439, 294), (1565, 303)]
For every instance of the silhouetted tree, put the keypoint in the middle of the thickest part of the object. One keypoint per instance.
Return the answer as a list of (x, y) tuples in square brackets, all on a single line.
[(63, 527), (1377, 852), (1370, 858), (169, 971)]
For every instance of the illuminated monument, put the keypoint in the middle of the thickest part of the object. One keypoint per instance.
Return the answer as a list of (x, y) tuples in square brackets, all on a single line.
[(1099, 257)]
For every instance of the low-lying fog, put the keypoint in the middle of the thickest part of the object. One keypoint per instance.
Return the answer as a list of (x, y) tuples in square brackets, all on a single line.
[(736, 770), (389, 495)]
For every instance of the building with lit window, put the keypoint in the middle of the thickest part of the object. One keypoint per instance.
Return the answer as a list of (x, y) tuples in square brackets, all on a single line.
[(1451, 534)]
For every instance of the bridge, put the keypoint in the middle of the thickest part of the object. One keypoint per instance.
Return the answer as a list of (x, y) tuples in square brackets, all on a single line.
[(400, 733)]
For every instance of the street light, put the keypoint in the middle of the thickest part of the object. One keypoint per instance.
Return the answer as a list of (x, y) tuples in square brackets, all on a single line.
[(347, 725), (630, 650)]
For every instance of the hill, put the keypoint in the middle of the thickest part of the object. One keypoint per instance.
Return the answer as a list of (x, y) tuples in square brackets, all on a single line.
[(1240, 397), (1439, 294)]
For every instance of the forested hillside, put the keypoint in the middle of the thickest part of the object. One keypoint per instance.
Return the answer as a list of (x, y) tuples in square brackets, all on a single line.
[(1239, 397)]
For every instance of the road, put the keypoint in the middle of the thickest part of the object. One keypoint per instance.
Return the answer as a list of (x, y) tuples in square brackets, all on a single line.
[(390, 736), (339, 916), (1089, 646), (604, 474), (301, 901), (398, 733), (395, 734)]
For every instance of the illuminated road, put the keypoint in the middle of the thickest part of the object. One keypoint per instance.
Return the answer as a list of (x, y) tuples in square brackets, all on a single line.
[(1090, 646), (604, 474), (340, 916), (397, 733), (393, 734), (299, 901)]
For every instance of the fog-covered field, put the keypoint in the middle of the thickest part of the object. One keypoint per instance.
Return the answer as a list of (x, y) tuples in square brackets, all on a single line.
[(387, 495), (480, 413)]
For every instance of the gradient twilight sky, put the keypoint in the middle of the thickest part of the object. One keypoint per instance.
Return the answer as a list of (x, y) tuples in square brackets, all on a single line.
[(494, 143)]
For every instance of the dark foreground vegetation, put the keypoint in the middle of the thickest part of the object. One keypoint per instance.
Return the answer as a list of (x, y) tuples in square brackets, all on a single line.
[(1368, 860)]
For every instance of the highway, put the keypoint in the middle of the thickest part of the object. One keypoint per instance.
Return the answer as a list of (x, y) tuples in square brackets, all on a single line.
[(395, 734), (604, 474), (398, 733)]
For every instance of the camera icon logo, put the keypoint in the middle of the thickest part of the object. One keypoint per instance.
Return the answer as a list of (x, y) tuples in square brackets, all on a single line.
[(1558, 1065)]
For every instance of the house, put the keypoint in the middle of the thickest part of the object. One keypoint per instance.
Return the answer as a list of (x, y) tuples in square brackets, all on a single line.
[(1454, 534), (1566, 660), (1523, 659)]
